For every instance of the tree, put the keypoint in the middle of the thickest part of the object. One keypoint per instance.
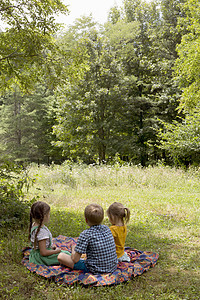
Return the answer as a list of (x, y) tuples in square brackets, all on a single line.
[(187, 64), (181, 140), (152, 63), (26, 126), (136, 113), (90, 107), (28, 51)]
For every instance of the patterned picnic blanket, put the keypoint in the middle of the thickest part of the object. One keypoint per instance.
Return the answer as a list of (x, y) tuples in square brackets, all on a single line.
[(141, 261)]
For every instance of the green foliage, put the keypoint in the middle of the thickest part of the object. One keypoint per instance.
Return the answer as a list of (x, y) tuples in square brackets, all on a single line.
[(89, 110), (14, 183), (112, 108), (26, 126), (122, 33), (181, 139), (147, 57), (114, 14), (113, 82), (187, 64), (27, 45)]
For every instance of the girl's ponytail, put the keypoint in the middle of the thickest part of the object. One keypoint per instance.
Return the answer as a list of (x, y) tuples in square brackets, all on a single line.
[(38, 229), (126, 214), (117, 210)]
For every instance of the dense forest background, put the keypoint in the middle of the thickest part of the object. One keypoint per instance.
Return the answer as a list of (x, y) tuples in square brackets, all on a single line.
[(128, 89)]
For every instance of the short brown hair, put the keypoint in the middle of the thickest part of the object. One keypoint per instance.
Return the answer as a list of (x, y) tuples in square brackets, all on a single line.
[(94, 214)]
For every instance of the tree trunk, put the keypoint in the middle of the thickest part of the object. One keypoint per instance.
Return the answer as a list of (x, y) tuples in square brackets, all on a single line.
[(102, 146)]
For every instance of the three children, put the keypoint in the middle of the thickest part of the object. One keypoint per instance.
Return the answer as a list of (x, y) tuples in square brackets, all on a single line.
[(103, 247)]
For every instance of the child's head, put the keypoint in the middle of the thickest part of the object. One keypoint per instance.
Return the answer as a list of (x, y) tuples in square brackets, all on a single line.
[(39, 210), (94, 214), (117, 211)]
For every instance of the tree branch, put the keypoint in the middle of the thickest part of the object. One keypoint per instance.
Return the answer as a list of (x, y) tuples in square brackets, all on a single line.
[(8, 7), (8, 56)]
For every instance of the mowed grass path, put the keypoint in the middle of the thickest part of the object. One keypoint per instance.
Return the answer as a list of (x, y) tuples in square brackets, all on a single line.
[(165, 218)]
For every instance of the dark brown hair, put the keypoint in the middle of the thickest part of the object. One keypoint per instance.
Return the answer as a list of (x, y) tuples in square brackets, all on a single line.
[(38, 211), (117, 210), (94, 214)]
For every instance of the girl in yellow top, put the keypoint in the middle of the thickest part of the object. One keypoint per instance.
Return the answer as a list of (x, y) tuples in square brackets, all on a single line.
[(119, 216)]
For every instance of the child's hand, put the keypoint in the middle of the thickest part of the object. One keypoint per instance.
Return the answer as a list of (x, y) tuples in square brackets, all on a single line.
[(57, 250)]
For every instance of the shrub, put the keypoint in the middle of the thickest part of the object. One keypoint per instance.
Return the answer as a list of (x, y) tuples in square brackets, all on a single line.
[(14, 182)]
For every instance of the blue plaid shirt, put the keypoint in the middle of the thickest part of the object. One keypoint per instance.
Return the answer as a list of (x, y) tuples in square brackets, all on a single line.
[(99, 245)]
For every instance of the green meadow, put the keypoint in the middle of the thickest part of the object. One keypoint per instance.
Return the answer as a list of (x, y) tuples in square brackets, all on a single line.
[(165, 218)]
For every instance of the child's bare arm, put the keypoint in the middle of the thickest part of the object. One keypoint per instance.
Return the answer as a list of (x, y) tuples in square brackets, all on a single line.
[(75, 255), (46, 252)]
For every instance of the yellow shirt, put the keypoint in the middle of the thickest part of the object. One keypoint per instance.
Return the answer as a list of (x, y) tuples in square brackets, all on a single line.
[(119, 233)]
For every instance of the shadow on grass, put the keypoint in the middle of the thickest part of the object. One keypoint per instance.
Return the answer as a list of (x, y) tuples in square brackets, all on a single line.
[(66, 223)]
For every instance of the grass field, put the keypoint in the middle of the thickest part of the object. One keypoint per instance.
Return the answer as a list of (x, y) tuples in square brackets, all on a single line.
[(165, 218)]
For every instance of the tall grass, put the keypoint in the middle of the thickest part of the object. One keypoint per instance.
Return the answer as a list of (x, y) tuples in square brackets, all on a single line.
[(165, 218), (78, 176), (157, 190)]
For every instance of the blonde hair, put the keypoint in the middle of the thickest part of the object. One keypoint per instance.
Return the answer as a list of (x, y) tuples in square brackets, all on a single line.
[(117, 210), (94, 214), (38, 211)]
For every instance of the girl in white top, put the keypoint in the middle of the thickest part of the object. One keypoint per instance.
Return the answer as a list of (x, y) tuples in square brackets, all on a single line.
[(43, 252)]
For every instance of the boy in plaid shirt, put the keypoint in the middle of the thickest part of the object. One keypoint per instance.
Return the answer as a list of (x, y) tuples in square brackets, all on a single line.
[(97, 242)]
